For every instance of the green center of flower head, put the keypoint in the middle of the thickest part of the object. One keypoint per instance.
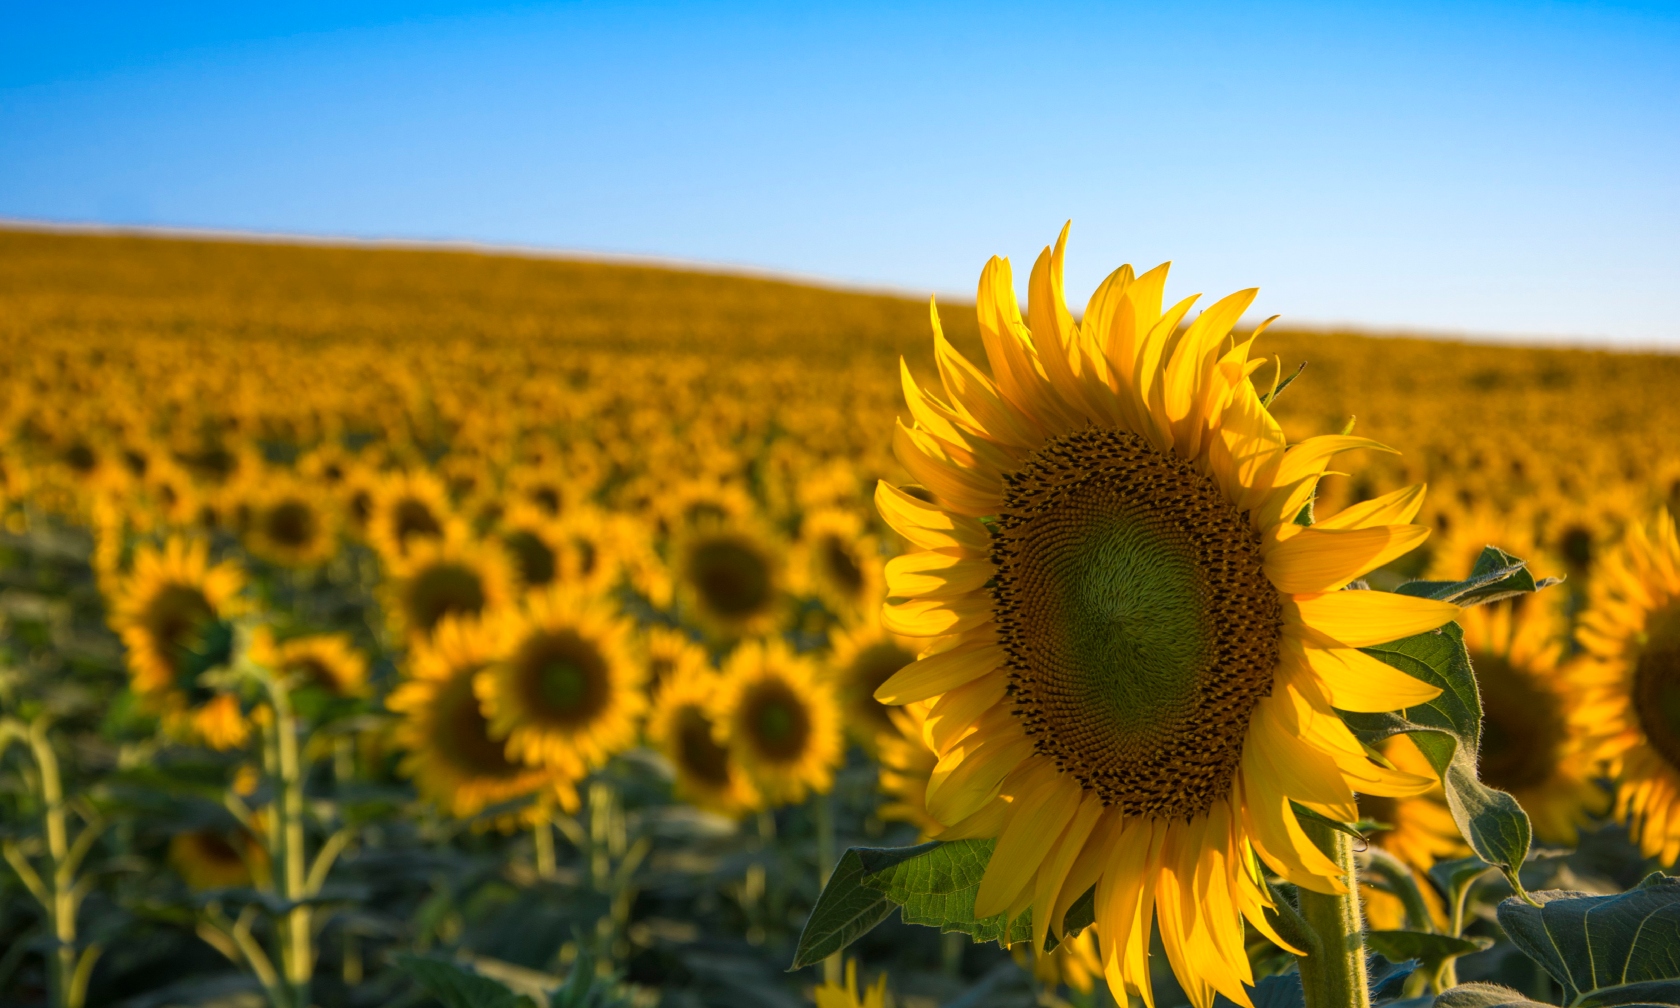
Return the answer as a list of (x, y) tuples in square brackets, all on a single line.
[(731, 577), (1522, 725), (441, 589), (1140, 626), (1656, 683), (777, 723), (563, 677)]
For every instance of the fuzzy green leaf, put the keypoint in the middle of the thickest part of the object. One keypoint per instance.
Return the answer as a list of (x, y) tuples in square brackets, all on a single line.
[(1430, 949), (1595, 946), (847, 909), (458, 987), (1497, 575), (938, 886), (1484, 995), (1448, 731)]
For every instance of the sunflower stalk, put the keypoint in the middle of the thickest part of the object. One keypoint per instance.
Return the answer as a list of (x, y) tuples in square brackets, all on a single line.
[(1333, 971), (59, 889)]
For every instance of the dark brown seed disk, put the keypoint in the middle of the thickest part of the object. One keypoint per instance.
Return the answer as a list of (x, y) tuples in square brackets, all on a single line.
[(1656, 684), (1140, 626)]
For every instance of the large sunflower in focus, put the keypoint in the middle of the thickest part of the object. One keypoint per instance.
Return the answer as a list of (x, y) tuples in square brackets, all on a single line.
[(566, 692), (453, 758), (1134, 661), (1630, 690), (681, 726), (779, 722)]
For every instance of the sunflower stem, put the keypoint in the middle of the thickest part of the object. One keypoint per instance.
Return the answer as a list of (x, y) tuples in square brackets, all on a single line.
[(1333, 975)]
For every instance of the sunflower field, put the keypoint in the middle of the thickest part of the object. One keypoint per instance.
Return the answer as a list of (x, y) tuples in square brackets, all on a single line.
[(385, 626)]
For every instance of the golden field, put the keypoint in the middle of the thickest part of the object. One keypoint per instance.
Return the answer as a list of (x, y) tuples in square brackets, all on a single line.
[(413, 483)]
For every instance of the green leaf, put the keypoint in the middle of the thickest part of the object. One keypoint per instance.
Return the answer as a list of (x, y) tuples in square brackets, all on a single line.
[(1595, 945), (1497, 575), (1634, 995), (847, 909), (1448, 731), (937, 887), (1271, 397), (1347, 829), (456, 986), (1484, 995), (1282, 990), (1389, 874), (1433, 950)]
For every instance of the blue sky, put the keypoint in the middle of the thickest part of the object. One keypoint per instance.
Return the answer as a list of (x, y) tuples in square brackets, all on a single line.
[(1463, 168)]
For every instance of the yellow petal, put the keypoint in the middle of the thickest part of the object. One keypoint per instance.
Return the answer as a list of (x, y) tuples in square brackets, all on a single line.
[(951, 472), (936, 573), (1322, 560), (1354, 681), (937, 617), (929, 526), (1044, 802), (940, 673), (1397, 508), (1364, 618)]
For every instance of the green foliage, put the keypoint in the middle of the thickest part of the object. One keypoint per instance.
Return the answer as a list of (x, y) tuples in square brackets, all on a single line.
[(1496, 576), (1432, 951), (459, 987), (1604, 950), (1483, 995)]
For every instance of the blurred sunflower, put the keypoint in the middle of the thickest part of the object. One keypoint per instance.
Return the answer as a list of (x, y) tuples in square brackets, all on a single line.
[(408, 511), (1418, 830), (211, 859), (532, 539), (1453, 553), (729, 579), (681, 726), (1074, 963), (590, 550), (907, 762), (665, 651), (837, 561), (451, 755), (329, 662), (171, 613), (288, 525), (779, 722), (1135, 666), (845, 995), (1533, 739), (1629, 692), (566, 692), (864, 658), (445, 578)]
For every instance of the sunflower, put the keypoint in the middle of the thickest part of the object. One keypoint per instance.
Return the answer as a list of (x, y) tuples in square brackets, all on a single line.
[(453, 758), (444, 578), (1533, 738), (211, 859), (533, 541), (566, 692), (729, 579), (591, 548), (408, 511), (907, 762), (1135, 661), (864, 658), (325, 661), (779, 722), (1418, 830), (681, 726), (838, 562), (287, 524), (836, 995), (167, 610), (1454, 552), (666, 651), (1629, 690), (1074, 962)]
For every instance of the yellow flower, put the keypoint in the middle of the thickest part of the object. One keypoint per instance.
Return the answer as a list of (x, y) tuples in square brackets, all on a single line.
[(907, 762), (1074, 962), (166, 603), (209, 859), (833, 995), (666, 652), (779, 722), (1420, 831), (532, 539), (1629, 692), (1534, 739), (681, 726), (452, 757), (327, 661), (1134, 663), (835, 560), (864, 658), (566, 692), (407, 510), (730, 579), (442, 578), (288, 524)]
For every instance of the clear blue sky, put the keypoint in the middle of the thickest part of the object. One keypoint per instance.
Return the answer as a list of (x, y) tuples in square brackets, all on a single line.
[(1491, 169)]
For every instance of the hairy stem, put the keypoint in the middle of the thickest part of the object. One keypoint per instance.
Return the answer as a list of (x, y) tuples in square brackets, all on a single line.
[(1333, 976)]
